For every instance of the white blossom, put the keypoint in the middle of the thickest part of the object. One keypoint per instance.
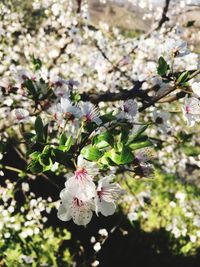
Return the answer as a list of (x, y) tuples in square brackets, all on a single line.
[(20, 115), (73, 208), (161, 119), (129, 110), (90, 113), (106, 195), (176, 48), (191, 110)]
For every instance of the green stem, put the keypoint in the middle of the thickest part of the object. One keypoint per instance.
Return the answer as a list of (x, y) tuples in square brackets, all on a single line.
[(10, 168)]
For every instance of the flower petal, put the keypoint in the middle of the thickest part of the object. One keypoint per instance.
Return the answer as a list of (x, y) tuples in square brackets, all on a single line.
[(64, 212), (106, 208)]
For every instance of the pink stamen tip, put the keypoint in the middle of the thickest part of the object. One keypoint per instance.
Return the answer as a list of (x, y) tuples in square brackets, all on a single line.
[(187, 109)]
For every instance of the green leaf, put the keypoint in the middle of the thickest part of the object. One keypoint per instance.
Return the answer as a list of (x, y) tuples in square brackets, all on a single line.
[(68, 143), (91, 153), (65, 143), (124, 134), (62, 157), (103, 140), (46, 162), (119, 158), (75, 96), (63, 139), (35, 155), (30, 87), (163, 67), (182, 79), (37, 63), (107, 118), (138, 133), (45, 129), (140, 144), (35, 167), (39, 129)]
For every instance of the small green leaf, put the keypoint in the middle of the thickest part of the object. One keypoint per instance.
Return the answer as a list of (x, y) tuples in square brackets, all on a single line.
[(35, 167), (183, 77), (30, 87), (63, 139), (45, 129), (138, 133), (103, 140), (35, 155), (119, 158), (37, 63), (124, 134), (46, 162), (75, 96), (140, 144), (39, 129), (62, 157), (91, 153), (163, 67), (68, 143)]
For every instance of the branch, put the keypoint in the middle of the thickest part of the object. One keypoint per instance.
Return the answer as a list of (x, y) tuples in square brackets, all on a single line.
[(133, 93), (164, 15), (172, 98), (168, 91), (157, 98), (79, 2)]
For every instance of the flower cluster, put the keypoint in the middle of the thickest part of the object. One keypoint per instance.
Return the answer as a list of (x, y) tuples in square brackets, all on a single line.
[(81, 197)]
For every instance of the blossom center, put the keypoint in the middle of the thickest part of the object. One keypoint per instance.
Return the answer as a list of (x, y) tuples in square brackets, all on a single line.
[(88, 117), (19, 116), (77, 202), (126, 109), (80, 173)]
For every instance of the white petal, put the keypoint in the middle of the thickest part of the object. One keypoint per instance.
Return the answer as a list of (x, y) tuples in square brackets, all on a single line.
[(91, 167), (196, 88), (83, 190), (82, 216), (65, 103), (106, 208), (64, 212)]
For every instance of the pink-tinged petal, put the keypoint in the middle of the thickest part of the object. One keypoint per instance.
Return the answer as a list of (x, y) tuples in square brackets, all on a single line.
[(81, 186)]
